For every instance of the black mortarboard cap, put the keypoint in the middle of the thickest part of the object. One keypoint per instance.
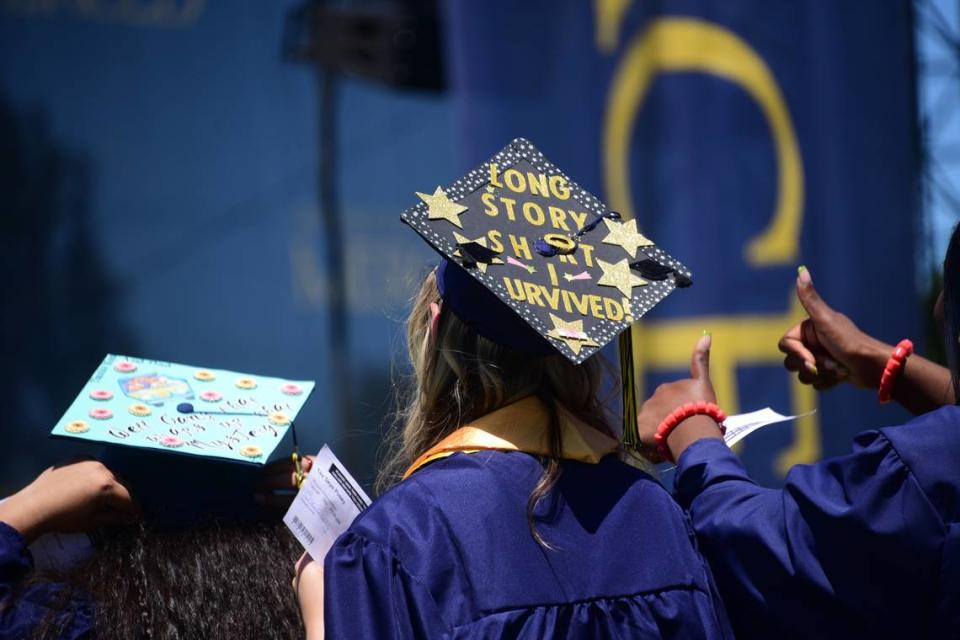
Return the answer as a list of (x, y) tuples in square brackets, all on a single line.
[(518, 228)]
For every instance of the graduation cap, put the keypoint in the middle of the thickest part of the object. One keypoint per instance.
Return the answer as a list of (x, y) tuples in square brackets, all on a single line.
[(184, 409), (534, 262), (172, 426)]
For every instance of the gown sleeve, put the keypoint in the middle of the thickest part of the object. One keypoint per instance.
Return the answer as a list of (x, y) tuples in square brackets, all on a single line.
[(15, 561), (369, 594), (21, 613), (848, 545)]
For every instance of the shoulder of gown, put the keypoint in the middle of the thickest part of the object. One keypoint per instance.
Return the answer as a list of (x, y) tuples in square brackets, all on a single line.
[(846, 537), (448, 553)]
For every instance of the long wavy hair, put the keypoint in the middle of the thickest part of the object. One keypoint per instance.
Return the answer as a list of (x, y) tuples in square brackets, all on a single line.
[(214, 579), (459, 376)]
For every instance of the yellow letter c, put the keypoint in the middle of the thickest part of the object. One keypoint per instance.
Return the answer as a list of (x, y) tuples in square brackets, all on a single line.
[(683, 44)]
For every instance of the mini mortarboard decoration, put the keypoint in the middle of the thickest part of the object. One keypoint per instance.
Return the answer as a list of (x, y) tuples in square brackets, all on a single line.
[(567, 267), (164, 406)]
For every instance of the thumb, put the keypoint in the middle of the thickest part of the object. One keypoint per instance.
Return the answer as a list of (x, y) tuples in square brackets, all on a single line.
[(807, 294), (700, 362)]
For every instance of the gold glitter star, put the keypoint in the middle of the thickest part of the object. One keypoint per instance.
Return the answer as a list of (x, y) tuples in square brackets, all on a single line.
[(482, 241), (619, 275), (571, 332), (625, 234), (440, 207)]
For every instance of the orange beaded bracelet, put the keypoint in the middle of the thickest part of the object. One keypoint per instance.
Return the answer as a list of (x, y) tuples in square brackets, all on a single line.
[(891, 371), (680, 414)]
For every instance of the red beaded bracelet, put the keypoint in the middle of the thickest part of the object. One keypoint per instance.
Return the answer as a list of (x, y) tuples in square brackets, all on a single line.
[(892, 370), (680, 414)]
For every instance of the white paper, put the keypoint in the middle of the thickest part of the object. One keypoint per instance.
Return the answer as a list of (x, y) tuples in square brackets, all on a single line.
[(743, 424), (325, 506)]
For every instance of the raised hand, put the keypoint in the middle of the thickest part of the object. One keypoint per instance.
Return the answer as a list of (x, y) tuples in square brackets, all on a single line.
[(669, 396), (828, 348)]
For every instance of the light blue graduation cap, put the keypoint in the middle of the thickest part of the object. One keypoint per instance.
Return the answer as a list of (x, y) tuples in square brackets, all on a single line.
[(183, 409)]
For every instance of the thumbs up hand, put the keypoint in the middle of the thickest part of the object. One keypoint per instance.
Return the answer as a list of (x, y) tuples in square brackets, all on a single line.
[(669, 396), (828, 348)]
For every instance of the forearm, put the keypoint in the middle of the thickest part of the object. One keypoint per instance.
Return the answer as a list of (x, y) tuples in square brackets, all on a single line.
[(691, 430), (18, 514), (923, 386), (314, 627), (920, 387)]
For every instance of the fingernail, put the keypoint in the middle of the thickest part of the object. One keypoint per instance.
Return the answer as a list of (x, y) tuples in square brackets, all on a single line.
[(803, 274), (812, 368), (830, 364), (707, 333)]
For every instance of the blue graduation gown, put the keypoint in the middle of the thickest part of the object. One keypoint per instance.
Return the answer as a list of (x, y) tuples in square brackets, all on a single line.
[(862, 546), (448, 554), (21, 614)]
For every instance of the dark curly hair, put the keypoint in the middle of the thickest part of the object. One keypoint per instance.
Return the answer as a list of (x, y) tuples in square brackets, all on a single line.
[(213, 579)]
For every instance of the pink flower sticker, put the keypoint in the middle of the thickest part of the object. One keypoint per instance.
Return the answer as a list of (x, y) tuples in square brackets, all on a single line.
[(171, 441), (211, 396), (101, 394), (291, 389), (124, 366), (101, 414)]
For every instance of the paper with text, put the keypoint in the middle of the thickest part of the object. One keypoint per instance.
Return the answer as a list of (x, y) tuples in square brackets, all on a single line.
[(743, 424), (325, 506)]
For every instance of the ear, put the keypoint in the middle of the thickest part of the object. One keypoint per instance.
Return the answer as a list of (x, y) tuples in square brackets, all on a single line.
[(434, 318)]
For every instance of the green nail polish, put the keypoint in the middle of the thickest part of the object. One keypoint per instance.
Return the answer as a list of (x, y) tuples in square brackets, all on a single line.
[(801, 269)]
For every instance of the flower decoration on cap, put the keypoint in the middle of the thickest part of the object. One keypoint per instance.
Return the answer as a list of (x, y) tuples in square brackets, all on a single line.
[(251, 451), (291, 389), (139, 409), (279, 418), (171, 441), (211, 396), (76, 426)]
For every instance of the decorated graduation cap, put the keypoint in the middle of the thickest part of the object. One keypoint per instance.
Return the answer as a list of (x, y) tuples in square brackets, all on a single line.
[(533, 261), (183, 409), (201, 415)]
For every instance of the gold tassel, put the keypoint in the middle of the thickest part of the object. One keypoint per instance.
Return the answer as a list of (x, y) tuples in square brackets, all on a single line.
[(631, 440)]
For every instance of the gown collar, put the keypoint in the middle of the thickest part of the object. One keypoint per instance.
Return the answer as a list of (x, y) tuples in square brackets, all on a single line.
[(522, 426)]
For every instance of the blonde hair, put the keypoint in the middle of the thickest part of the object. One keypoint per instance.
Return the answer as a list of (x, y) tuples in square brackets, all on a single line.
[(459, 376)]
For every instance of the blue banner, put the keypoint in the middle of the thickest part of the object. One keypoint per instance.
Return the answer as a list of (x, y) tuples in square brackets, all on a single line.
[(747, 138)]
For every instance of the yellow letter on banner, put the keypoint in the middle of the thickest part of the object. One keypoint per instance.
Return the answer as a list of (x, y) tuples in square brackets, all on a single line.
[(683, 45), (688, 45)]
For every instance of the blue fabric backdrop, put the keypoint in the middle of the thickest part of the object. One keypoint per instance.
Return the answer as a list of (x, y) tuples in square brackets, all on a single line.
[(747, 138)]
